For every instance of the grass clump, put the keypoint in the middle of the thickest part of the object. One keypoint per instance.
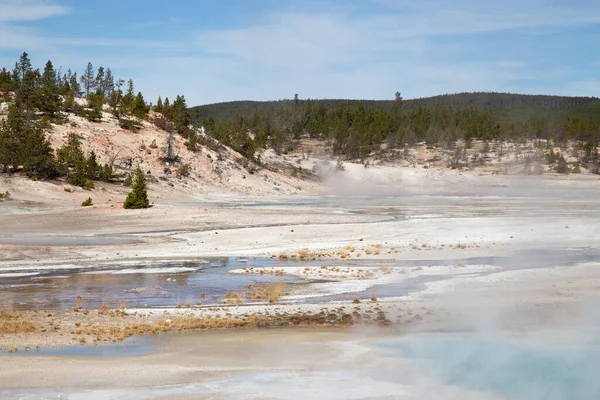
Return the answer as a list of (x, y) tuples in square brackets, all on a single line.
[(87, 202), (184, 170), (14, 322), (270, 292), (233, 298), (120, 333)]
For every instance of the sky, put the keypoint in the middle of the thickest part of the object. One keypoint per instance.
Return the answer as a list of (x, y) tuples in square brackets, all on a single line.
[(214, 51)]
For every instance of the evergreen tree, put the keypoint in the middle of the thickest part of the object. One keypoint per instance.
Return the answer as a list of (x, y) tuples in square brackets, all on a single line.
[(128, 98), (27, 96), (99, 82), (138, 197), (93, 169), (74, 85), (139, 107), (95, 102), (179, 114), (11, 139), (166, 108), (78, 176), (48, 101), (70, 154), (88, 80), (159, 105), (108, 174), (108, 84), (22, 66), (6, 81), (24, 143)]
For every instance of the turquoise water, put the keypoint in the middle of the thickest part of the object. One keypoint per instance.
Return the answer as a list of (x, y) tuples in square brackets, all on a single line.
[(514, 370), (135, 346)]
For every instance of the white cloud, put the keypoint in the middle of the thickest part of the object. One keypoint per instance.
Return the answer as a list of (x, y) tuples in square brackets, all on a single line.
[(29, 10), (459, 17), (416, 47)]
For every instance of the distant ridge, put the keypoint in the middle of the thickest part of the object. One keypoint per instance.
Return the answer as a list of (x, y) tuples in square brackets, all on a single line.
[(515, 106)]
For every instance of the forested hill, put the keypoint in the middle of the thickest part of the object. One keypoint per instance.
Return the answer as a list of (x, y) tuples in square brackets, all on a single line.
[(516, 106)]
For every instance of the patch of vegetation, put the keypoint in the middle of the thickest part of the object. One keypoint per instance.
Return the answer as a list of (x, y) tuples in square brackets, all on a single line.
[(128, 181), (270, 292), (39, 100), (130, 124), (138, 197), (184, 170), (87, 202), (14, 322)]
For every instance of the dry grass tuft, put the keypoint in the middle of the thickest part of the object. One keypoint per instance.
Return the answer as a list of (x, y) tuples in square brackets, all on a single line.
[(270, 292), (79, 301), (103, 309), (15, 322), (233, 298), (120, 333), (343, 253), (304, 254)]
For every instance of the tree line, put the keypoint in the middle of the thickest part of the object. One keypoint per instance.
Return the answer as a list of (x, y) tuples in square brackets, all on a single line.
[(356, 129), (37, 98)]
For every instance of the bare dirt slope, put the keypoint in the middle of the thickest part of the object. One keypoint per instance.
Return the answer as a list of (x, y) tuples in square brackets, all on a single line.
[(212, 173)]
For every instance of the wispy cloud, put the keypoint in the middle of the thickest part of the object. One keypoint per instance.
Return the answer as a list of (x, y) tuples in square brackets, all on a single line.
[(458, 17), (351, 49), (29, 10)]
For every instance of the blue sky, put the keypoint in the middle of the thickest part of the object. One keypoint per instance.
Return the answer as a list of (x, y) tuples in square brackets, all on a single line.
[(213, 51)]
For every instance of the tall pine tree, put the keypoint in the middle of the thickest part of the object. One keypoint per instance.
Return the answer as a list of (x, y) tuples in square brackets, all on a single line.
[(88, 80)]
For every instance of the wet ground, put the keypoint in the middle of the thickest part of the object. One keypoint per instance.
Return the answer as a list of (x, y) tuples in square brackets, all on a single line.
[(206, 281), (285, 364), (451, 364)]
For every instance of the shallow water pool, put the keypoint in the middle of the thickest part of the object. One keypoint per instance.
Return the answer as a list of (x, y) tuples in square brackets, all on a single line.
[(516, 370)]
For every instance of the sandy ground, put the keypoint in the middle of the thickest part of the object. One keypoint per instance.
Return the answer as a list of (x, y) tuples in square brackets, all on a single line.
[(381, 214), (257, 365)]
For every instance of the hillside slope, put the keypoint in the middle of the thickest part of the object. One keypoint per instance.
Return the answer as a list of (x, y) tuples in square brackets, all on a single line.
[(212, 173), (516, 106)]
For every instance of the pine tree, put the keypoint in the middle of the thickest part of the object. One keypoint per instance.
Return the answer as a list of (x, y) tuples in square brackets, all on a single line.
[(179, 114), (166, 109), (128, 98), (22, 66), (6, 81), (75, 86), (95, 102), (27, 95), (24, 143), (49, 101), (88, 79), (108, 84), (139, 107), (99, 82), (108, 174), (70, 154), (11, 138), (159, 105), (93, 169), (138, 197), (79, 176)]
